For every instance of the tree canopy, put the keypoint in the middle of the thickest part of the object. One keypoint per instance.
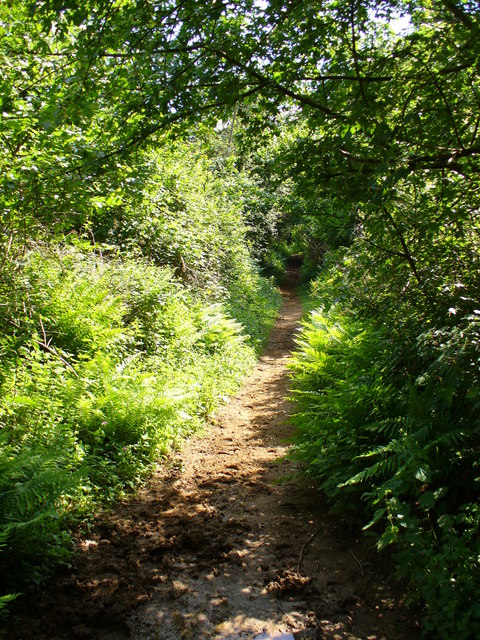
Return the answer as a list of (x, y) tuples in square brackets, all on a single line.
[(131, 68), (383, 113)]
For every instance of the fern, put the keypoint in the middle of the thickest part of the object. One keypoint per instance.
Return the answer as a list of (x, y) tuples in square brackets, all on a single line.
[(32, 486), (389, 430), (114, 363)]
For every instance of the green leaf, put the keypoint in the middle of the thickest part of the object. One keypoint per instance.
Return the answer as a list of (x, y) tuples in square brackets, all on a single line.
[(427, 500)]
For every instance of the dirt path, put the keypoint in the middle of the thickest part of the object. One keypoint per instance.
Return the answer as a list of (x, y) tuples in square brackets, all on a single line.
[(217, 548)]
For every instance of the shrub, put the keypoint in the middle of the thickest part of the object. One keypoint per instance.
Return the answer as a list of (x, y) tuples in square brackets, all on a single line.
[(115, 362), (387, 424)]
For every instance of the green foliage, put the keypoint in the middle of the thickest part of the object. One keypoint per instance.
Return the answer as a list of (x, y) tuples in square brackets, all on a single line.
[(109, 363), (340, 139), (341, 399), (130, 303), (389, 429), (32, 483), (193, 217), (189, 218)]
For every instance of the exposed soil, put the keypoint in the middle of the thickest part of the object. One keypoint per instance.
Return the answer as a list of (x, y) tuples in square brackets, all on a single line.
[(224, 543)]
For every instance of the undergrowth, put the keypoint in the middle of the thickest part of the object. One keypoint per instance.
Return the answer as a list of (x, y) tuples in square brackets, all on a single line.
[(123, 326), (107, 363), (387, 424)]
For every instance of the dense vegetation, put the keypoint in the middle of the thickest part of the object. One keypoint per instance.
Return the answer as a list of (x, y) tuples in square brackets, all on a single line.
[(119, 339), (150, 152)]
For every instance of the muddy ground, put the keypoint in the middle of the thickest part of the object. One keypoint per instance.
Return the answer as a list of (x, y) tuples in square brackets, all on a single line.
[(224, 543)]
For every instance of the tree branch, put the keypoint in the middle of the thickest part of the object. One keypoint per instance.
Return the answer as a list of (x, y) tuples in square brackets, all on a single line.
[(460, 14), (266, 81)]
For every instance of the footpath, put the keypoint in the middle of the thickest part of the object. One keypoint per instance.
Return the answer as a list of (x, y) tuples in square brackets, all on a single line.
[(225, 543)]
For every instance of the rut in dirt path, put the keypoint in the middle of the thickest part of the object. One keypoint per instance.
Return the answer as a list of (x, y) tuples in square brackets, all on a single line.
[(225, 544)]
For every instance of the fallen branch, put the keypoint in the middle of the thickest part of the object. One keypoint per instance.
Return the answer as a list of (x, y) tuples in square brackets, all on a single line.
[(306, 544), (358, 562)]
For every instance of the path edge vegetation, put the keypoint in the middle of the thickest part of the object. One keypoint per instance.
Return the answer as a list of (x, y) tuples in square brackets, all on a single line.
[(391, 452), (115, 351)]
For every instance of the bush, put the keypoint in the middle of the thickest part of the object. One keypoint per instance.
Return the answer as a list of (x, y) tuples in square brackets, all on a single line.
[(115, 361), (387, 424)]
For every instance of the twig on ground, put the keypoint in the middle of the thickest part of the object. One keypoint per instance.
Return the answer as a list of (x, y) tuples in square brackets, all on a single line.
[(306, 544), (358, 562)]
